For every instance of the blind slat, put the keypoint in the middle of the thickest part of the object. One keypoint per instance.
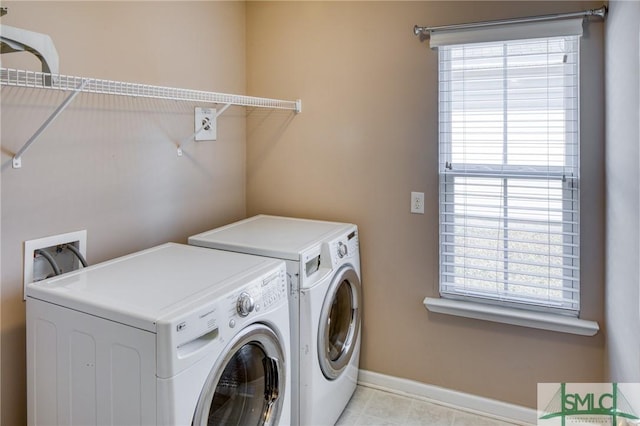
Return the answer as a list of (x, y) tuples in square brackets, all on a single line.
[(535, 302), (505, 220), (473, 232), (512, 260), (501, 271), (448, 245)]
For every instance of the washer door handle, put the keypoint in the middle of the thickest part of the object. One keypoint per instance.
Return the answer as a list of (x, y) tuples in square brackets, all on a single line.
[(272, 385)]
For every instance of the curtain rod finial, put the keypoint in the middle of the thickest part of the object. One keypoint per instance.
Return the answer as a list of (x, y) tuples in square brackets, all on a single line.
[(422, 32), (601, 12)]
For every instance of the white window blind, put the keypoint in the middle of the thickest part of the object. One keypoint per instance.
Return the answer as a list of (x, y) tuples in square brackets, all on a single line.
[(509, 172)]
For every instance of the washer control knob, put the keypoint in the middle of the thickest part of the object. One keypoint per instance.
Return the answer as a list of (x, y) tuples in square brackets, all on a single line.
[(342, 250), (245, 304)]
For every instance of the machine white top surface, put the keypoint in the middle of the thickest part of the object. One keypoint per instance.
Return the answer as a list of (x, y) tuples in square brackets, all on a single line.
[(144, 287), (272, 236)]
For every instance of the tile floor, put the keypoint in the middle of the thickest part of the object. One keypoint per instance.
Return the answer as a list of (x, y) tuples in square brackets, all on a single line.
[(372, 407)]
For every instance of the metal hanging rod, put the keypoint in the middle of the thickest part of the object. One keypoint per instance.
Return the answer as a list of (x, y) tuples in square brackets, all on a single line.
[(76, 85), (426, 31)]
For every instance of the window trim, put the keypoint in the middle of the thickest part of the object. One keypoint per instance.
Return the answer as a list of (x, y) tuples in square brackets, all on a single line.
[(512, 316)]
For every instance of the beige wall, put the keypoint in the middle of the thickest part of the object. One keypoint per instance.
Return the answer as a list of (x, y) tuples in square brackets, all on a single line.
[(623, 179), (366, 138), (109, 164)]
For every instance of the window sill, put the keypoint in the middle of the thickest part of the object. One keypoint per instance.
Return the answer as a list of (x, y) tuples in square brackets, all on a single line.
[(541, 320)]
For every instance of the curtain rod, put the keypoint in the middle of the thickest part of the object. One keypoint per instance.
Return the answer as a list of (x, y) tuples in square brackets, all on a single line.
[(425, 31)]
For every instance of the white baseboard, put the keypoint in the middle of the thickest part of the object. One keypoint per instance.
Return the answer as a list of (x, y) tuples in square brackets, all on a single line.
[(450, 398)]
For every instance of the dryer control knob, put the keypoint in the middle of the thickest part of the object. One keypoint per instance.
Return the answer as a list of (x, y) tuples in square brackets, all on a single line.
[(245, 304), (342, 250)]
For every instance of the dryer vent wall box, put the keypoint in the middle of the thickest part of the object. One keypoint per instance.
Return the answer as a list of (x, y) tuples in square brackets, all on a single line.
[(49, 256)]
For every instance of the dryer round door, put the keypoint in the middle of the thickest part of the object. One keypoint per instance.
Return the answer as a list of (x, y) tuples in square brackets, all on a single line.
[(339, 326), (246, 386)]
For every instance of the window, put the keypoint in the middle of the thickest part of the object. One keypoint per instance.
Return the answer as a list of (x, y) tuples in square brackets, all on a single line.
[(509, 172)]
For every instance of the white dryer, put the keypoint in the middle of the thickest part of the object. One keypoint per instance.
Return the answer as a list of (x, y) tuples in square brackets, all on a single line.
[(173, 335), (323, 267)]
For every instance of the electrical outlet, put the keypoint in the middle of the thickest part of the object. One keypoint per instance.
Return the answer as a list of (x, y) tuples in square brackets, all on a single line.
[(56, 247), (205, 124), (417, 202)]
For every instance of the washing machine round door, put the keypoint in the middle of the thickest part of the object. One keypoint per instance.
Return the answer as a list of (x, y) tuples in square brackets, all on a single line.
[(246, 386), (339, 326)]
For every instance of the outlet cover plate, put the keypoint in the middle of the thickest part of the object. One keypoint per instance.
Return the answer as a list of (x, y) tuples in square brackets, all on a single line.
[(417, 202), (78, 237), (210, 132)]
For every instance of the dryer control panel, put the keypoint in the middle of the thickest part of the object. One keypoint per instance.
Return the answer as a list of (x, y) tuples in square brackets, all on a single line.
[(344, 248), (317, 263)]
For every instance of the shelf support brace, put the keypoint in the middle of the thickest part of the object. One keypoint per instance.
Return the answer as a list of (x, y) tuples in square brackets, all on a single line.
[(17, 158), (193, 136)]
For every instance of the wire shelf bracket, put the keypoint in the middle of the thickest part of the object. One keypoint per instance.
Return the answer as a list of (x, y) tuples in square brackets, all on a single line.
[(17, 158), (77, 85)]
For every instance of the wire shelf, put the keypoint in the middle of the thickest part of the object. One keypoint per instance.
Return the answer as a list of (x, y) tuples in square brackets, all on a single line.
[(76, 85), (40, 80)]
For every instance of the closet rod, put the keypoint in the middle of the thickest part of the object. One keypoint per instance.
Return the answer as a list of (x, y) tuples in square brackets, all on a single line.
[(425, 31)]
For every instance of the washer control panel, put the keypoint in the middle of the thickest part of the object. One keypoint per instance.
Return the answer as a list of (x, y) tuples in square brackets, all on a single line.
[(260, 294), (232, 308), (274, 288)]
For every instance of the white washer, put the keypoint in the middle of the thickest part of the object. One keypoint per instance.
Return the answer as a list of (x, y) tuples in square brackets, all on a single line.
[(323, 267), (173, 335)]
